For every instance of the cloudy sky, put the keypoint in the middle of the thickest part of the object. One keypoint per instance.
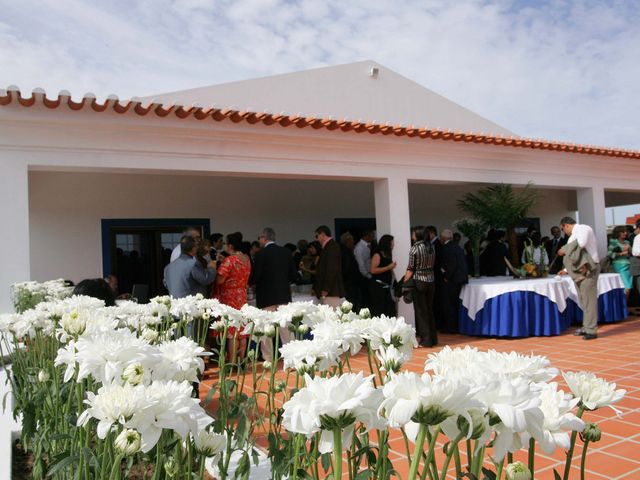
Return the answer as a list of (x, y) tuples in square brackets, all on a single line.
[(560, 69)]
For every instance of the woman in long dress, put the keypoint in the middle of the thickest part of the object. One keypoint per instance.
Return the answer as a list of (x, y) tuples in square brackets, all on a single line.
[(231, 289), (619, 251)]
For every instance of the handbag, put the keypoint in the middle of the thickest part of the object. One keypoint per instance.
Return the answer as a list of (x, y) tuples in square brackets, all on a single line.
[(406, 290)]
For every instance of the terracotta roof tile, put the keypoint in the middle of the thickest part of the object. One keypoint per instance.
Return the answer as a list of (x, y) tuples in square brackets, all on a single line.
[(13, 95)]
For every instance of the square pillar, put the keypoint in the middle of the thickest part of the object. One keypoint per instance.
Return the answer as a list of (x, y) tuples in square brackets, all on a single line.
[(14, 241), (591, 210), (392, 217)]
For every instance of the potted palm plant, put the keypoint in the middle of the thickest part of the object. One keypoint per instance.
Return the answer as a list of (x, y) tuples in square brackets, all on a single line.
[(500, 206)]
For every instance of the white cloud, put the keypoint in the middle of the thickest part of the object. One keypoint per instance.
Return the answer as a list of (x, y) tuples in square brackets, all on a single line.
[(565, 70)]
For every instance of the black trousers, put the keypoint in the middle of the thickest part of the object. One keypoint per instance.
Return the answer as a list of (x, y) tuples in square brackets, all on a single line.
[(450, 303), (381, 301), (423, 297)]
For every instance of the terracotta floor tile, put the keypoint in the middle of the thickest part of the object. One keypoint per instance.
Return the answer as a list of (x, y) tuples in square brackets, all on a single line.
[(611, 466)]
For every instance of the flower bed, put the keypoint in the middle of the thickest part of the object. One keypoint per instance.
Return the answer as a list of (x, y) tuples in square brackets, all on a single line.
[(104, 390)]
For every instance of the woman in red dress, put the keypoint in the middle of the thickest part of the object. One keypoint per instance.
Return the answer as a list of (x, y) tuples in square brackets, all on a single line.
[(230, 287)]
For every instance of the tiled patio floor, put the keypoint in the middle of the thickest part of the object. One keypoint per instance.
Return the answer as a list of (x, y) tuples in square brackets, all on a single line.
[(615, 356)]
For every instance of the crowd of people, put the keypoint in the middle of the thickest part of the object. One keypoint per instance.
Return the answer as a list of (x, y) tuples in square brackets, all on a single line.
[(235, 271)]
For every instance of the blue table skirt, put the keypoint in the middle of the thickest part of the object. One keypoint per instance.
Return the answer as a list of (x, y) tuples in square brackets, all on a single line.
[(528, 314), (612, 307)]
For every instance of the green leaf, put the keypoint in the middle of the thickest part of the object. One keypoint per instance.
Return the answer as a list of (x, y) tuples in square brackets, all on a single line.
[(91, 458), (62, 464), (488, 474), (556, 475), (60, 436), (325, 461), (210, 394), (364, 475)]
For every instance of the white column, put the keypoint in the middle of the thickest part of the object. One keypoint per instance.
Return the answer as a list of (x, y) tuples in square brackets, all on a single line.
[(392, 217), (592, 212), (14, 241)]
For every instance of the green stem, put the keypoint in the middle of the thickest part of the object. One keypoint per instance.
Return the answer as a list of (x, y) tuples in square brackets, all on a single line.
[(337, 454), (574, 436), (456, 458), (469, 454), (499, 468), (203, 460), (415, 462), (583, 459), (532, 455), (451, 450), (115, 470)]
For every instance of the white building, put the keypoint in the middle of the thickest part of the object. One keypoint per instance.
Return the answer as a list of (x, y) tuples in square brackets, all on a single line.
[(292, 152)]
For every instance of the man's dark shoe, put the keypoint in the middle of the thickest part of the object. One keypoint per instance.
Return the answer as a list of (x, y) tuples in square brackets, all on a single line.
[(580, 332), (589, 336)]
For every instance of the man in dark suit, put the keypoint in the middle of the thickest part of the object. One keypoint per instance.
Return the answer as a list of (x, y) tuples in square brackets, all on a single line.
[(552, 246), (328, 286), (272, 273), (455, 274)]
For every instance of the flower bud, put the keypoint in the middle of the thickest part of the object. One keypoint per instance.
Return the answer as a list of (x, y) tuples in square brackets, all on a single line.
[(303, 328), (591, 433), (346, 307), (206, 316), (43, 376), (364, 313), (267, 365), (217, 326), (270, 331), (199, 296), (133, 374), (517, 471), (128, 442), (281, 386), (209, 443), (73, 323), (170, 467)]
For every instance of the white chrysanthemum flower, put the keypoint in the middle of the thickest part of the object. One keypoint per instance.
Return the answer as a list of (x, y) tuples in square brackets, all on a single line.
[(384, 331), (258, 320), (113, 404), (422, 399), (536, 368), (209, 444), (391, 359), (306, 355), (169, 405), (346, 335), (105, 356), (514, 404), (179, 360), (127, 442), (558, 418), (455, 361), (133, 374), (592, 391), (67, 356), (149, 335), (325, 404), (314, 314)]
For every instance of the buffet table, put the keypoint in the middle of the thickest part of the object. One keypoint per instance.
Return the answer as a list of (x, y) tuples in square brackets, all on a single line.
[(508, 307)]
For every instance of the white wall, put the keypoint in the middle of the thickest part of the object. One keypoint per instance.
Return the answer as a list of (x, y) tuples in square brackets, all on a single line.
[(66, 210), (437, 205)]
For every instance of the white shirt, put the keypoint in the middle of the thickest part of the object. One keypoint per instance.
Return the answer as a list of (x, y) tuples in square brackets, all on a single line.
[(362, 253), (175, 254), (635, 250), (538, 256), (586, 239)]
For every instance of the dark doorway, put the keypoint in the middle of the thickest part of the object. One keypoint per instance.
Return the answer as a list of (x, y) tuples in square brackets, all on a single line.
[(136, 251)]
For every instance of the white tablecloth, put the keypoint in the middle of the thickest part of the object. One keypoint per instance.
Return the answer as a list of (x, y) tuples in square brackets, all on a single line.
[(556, 289)]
